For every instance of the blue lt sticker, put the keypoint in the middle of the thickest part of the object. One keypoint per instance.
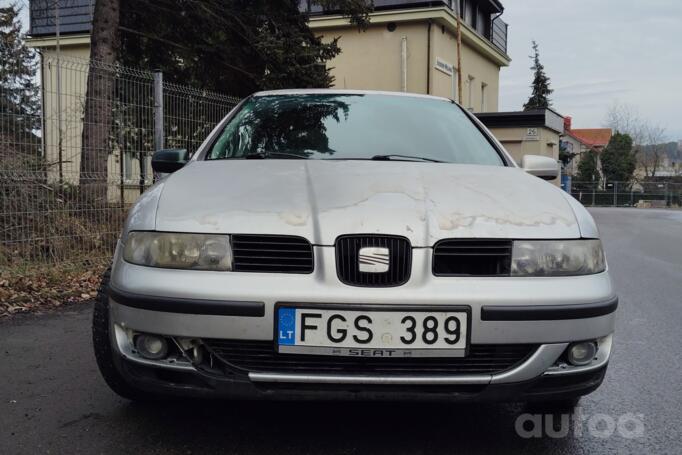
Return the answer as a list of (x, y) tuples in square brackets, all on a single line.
[(286, 328)]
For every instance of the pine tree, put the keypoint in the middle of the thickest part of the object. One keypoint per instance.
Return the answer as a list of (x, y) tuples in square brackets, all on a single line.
[(19, 101), (539, 98)]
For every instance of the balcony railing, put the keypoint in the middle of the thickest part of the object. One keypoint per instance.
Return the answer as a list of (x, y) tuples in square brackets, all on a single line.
[(73, 16), (498, 36), (494, 31)]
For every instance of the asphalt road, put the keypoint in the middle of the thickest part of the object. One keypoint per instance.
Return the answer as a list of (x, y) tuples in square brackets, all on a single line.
[(52, 399)]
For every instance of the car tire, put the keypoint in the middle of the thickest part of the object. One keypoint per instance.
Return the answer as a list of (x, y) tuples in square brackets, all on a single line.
[(101, 341)]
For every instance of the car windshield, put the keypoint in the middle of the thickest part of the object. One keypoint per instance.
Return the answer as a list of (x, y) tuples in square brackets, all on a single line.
[(353, 126)]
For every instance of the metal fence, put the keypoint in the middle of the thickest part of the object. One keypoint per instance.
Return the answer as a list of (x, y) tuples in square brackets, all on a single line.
[(65, 186), (629, 194)]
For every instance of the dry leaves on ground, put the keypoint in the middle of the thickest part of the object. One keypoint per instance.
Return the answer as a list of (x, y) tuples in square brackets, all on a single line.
[(47, 288)]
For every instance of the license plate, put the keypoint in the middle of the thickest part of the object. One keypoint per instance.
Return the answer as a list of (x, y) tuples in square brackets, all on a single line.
[(372, 333)]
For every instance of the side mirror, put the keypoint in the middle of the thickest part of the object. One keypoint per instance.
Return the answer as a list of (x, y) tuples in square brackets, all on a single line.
[(540, 166), (169, 160)]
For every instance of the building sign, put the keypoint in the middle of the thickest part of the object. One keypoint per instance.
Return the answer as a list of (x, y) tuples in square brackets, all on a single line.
[(445, 67), (532, 134), (554, 121)]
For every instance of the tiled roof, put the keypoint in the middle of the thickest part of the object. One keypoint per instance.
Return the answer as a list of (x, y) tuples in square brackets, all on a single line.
[(595, 137)]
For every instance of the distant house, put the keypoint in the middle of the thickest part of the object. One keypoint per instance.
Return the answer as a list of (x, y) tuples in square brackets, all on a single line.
[(411, 46), (60, 31), (593, 138), (580, 141), (535, 132)]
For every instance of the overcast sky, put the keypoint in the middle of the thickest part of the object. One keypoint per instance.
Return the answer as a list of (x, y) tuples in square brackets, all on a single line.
[(597, 52)]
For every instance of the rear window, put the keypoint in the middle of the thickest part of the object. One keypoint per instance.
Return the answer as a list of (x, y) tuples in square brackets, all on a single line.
[(353, 126)]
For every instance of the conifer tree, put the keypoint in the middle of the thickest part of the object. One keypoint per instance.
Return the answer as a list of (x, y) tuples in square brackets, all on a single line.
[(539, 99), (19, 100)]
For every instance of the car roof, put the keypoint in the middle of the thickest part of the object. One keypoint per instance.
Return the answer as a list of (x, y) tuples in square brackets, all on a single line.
[(328, 91)]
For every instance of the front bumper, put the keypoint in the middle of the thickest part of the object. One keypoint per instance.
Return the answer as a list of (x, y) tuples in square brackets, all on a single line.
[(543, 361), (547, 312)]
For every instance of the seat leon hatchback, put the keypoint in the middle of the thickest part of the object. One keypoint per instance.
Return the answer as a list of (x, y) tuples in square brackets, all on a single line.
[(355, 245)]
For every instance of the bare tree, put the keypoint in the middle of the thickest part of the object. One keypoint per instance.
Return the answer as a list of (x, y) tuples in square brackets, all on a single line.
[(625, 118), (651, 156), (648, 138)]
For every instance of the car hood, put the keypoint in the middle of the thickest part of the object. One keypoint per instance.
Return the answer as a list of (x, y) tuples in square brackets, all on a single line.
[(323, 199)]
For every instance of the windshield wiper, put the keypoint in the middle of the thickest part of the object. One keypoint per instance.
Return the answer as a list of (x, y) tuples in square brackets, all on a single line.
[(264, 156), (403, 158)]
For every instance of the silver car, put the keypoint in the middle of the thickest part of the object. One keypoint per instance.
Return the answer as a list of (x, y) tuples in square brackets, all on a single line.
[(355, 245)]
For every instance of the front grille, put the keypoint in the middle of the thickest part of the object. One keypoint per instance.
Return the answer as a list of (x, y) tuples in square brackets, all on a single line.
[(348, 260), (260, 356), (272, 253), (465, 257)]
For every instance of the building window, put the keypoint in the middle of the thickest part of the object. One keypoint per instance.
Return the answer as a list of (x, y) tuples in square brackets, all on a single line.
[(470, 81), (484, 86), (454, 86), (482, 22), (474, 16), (469, 13), (127, 167)]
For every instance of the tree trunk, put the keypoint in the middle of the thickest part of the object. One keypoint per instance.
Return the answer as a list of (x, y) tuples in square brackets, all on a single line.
[(657, 160), (97, 119)]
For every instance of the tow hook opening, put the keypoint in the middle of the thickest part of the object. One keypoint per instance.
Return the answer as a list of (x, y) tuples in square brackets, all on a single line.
[(191, 348)]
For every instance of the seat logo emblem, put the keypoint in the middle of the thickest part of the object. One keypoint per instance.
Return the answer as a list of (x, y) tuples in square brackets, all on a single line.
[(373, 259)]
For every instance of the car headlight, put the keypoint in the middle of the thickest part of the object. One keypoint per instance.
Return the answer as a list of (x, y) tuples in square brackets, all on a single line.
[(557, 257), (179, 251)]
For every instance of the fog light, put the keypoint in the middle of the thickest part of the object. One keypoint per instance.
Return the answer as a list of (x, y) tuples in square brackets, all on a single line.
[(152, 347), (583, 353)]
